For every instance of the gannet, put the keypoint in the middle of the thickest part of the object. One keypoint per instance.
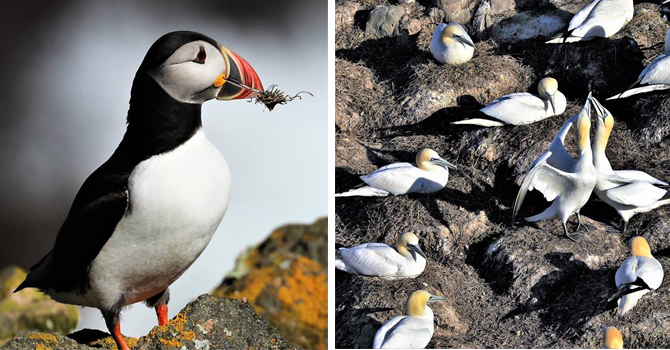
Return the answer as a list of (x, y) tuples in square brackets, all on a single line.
[(569, 186), (639, 274), (598, 19), (523, 108), (629, 191), (409, 332), (144, 216), (612, 338), (429, 174), (656, 76), (451, 44), (403, 260)]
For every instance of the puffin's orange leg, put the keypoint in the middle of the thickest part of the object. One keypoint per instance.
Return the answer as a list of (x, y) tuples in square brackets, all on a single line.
[(118, 337), (161, 312)]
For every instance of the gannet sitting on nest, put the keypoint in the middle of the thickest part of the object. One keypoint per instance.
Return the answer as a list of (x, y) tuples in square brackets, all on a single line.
[(598, 19), (523, 108), (451, 44)]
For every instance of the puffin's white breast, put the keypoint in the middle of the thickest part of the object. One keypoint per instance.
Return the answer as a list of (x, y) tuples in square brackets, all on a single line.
[(177, 200)]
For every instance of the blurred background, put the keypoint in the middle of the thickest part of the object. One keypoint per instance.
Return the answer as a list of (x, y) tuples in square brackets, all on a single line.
[(66, 71)]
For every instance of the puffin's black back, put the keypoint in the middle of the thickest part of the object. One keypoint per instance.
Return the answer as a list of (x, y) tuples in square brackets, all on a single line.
[(157, 123)]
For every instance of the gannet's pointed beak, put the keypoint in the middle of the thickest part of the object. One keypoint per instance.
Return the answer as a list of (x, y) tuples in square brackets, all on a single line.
[(434, 298), (417, 249), (464, 40), (552, 100), (442, 162), (239, 80), (600, 110)]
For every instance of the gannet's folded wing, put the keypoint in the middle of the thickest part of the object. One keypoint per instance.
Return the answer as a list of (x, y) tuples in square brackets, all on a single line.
[(370, 259), (560, 158), (641, 176), (657, 72), (650, 271), (517, 108), (581, 16), (409, 333), (396, 178), (636, 193)]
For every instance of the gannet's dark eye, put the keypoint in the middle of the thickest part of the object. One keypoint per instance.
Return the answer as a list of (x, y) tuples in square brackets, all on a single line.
[(201, 56)]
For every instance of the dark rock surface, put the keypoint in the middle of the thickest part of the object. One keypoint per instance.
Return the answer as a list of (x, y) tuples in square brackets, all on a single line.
[(507, 284), (208, 322)]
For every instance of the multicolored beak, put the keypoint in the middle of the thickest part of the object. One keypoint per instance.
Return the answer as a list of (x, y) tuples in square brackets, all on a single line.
[(239, 81)]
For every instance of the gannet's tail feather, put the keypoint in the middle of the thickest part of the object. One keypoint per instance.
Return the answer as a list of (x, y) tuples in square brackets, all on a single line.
[(480, 122), (639, 90), (365, 191)]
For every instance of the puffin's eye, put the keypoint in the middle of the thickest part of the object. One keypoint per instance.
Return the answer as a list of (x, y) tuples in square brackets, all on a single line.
[(200, 57)]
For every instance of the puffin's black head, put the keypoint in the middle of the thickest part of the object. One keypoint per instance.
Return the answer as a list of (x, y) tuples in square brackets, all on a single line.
[(193, 68)]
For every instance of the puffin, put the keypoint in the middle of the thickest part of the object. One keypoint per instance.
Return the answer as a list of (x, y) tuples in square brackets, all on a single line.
[(145, 215)]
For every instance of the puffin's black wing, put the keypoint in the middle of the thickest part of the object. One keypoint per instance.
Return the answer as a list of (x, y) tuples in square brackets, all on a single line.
[(98, 207)]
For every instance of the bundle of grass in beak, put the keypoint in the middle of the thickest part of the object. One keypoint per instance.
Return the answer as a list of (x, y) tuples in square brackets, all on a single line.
[(272, 96)]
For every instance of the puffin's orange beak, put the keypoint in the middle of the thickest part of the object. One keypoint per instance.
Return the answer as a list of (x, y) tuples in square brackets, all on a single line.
[(239, 80)]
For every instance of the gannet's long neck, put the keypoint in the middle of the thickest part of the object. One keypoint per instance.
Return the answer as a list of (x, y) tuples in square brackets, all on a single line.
[(584, 143), (603, 133)]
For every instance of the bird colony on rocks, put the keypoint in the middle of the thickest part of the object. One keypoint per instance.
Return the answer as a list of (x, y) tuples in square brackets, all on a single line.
[(447, 83)]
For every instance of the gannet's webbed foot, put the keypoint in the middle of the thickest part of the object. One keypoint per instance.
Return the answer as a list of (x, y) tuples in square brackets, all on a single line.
[(570, 235), (581, 225)]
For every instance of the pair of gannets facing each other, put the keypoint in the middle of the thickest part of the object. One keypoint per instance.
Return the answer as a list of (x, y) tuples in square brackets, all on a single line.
[(639, 274), (412, 331), (523, 108), (429, 174), (612, 338), (404, 260), (627, 191), (566, 181), (598, 19), (654, 77), (145, 215), (451, 44)]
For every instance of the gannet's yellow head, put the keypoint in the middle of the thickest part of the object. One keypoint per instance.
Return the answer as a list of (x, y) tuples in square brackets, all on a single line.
[(584, 126), (640, 247), (409, 243), (547, 90), (605, 125), (429, 160), (612, 338), (454, 33), (416, 303)]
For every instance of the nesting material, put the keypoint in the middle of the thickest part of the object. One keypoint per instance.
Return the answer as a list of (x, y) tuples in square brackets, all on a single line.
[(272, 97)]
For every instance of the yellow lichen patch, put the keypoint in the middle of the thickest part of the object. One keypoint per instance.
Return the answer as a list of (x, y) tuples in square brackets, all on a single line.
[(189, 335), (256, 282), (41, 347), (305, 292), (45, 337), (109, 342), (171, 342)]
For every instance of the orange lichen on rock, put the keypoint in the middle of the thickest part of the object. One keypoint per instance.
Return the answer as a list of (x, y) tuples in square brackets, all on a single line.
[(108, 342), (305, 293)]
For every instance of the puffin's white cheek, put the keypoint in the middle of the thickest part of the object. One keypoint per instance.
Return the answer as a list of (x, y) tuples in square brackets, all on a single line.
[(185, 82)]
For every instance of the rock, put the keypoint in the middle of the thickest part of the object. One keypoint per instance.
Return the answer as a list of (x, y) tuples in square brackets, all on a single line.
[(459, 11), (208, 322), (285, 278), (29, 309), (384, 21), (530, 24), (344, 15)]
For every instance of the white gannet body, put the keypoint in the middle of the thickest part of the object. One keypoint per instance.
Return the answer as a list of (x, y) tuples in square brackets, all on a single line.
[(598, 19), (523, 108), (404, 260), (612, 338), (451, 44), (429, 174), (627, 191), (639, 274), (656, 76), (413, 331), (568, 189)]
